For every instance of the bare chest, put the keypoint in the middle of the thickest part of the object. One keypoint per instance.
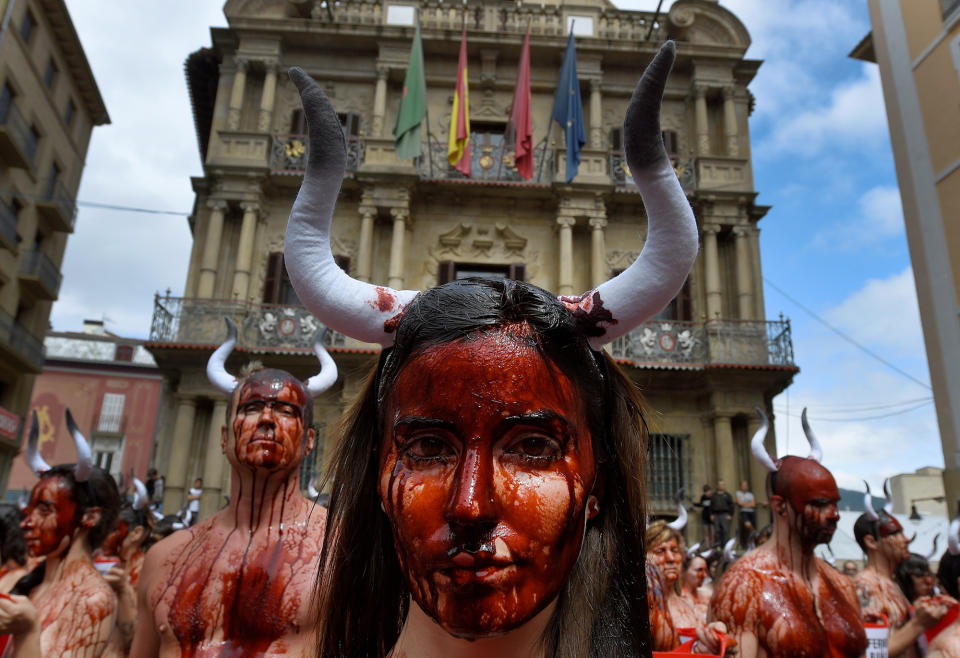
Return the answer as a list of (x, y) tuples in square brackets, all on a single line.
[(248, 593)]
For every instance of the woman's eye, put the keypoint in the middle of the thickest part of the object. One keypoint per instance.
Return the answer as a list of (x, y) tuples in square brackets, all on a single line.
[(535, 448), (428, 448)]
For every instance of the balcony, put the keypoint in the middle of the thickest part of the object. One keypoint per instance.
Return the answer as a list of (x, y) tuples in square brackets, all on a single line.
[(57, 210), (621, 177), (28, 349), (8, 227), (698, 345), (288, 154), (18, 141), (491, 160), (262, 327), (39, 276)]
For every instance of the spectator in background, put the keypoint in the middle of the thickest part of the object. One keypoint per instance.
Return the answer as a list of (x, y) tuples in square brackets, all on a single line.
[(706, 518), (721, 507), (850, 568), (193, 503), (155, 483), (747, 508)]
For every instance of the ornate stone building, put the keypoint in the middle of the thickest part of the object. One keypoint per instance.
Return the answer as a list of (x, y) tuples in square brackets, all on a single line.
[(704, 364), (49, 105)]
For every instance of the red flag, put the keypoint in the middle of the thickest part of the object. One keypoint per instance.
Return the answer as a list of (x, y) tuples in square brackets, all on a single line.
[(458, 143), (520, 114)]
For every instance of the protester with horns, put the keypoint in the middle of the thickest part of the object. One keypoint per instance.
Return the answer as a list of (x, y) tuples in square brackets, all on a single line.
[(881, 537), (486, 495), (64, 606), (780, 600), (240, 582)]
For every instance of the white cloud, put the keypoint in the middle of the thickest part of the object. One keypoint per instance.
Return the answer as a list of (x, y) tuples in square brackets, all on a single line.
[(879, 217)]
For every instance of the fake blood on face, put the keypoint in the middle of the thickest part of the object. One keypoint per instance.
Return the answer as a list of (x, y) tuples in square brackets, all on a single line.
[(486, 465), (49, 517), (812, 492), (268, 424)]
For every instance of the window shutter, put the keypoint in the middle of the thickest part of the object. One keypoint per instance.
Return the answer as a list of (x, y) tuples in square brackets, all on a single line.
[(343, 262), (298, 123), (273, 278), (616, 139), (517, 272), (446, 272), (670, 141)]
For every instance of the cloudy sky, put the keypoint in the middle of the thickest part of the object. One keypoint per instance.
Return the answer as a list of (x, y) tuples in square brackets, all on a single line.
[(833, 243)]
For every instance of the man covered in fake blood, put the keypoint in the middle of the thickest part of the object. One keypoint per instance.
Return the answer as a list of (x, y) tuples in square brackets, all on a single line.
[(241, 582), (881, 537), (779, 599), (63, 607), (487, 500)]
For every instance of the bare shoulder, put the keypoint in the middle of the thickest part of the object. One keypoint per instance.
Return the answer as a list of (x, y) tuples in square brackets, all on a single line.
[(836, 579), (736, 598)]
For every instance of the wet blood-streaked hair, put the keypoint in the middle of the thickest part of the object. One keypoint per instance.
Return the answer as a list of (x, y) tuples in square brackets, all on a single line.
[(602, 607)]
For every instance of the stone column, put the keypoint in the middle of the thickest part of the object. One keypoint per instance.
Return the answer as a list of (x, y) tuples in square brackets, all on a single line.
[(176, 475), (703, 126), (211, 248), (730, 132), (758, 474), (245, 251), (744, 280), (723, 449), (380, 99), (565, 260), (213, 463), (596, 115), (236, 93), (711, 264), (395, 278), (598, 252), (365, 249), (267, 98)]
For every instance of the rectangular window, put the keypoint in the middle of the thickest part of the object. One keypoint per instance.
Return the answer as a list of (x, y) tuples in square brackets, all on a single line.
[(69, 112), (107, 452), (123, 353), (50, 75), (32, 142), (26, 27), (680, 307), (448, 270), (111, 412), (350, 122), (277, 288), (668, 467)]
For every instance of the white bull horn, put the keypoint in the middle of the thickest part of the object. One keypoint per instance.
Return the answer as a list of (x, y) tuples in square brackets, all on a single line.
[(328, 368), (81, 471), (816, 452), (953, 537), (756, 444), (868, 504), (693, 550), (216, 365), (728, 554), (888, 506), (140, 497), (34, 460), (681, 521)]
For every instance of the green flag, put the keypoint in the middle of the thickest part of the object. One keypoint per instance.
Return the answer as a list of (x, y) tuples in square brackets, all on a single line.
[(413, 107)]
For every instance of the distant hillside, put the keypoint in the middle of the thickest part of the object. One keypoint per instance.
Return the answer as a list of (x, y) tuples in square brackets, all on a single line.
[(852, 501)]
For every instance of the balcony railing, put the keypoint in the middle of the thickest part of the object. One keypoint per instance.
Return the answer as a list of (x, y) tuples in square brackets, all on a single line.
[(8, 226), (58, 208), (288, 154), (191, 321), (18, 142), (38, 266), (621, 176), (717, 342), (29, 348), (490, 160)]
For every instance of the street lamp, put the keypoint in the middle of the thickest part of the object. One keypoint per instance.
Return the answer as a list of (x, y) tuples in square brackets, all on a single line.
[(914, 514)]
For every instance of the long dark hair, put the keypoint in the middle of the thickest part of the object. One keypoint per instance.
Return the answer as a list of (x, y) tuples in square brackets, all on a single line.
[(602, 608)]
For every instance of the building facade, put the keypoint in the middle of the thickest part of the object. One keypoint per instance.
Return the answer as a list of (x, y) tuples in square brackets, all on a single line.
[(49, 104), (919, 493), (703, 365), (917, 46), (113, 389)]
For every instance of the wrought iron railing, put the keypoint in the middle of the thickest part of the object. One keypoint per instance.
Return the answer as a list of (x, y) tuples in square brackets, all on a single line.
[(26, 344), (490, 160), (65, 204), (20, 131), (6, 325), (288, 154), (620, 173), (195, 321), (717, 342), (8, 223), (38, 264)]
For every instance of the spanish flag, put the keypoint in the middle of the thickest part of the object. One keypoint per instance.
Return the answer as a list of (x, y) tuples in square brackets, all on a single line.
[(458, 144)]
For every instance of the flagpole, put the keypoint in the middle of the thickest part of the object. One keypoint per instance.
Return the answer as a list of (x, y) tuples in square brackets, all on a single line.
[(426, 104)]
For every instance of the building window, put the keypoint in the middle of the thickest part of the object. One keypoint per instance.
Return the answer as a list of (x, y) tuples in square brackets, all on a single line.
[(670, 140), (448, 270), (52, 181), (32, 142), (69, 112), (50, 75), (107, 452), (111, 412), (668, 467), (123, 353), (680, 308), (400, 15), (350, 122), (277, 288), (26, 27)]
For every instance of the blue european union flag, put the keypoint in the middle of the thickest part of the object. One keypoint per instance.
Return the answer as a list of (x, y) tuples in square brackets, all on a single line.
[(568, 109)]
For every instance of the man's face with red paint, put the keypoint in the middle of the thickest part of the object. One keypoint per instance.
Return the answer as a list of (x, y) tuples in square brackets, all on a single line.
[(893, 543), (485, 470), (49, 519), (812, 493), (267, 426)]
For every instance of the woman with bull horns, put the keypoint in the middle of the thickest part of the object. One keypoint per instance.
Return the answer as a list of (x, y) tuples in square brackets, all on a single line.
[(63, 607), (486, 492)]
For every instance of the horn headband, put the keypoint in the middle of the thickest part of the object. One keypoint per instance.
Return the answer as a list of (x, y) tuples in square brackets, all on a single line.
[(953, 537), (226, 383), (760, 451), (888, 506), (681, 521), (933, 551), (868, 504), (369, 313), (84, 464)]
